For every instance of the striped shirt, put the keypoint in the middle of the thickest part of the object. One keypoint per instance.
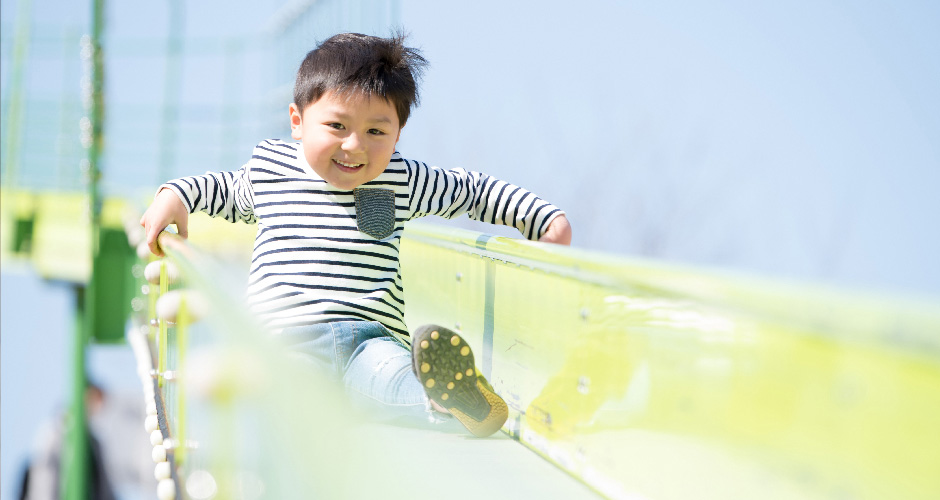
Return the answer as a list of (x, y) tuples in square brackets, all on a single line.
[(311, 261)]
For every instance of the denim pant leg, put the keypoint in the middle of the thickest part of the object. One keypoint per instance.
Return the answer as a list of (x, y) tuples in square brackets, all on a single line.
[(379, 379), (316, 346), (374, 367)]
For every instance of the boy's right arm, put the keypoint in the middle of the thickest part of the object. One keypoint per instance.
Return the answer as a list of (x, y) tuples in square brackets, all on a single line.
[(228, 195), (166, 209)]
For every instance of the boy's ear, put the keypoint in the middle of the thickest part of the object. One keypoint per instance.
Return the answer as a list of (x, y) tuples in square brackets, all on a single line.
[(295, 122)]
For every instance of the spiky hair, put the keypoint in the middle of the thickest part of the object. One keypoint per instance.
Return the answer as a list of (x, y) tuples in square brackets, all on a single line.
[(353, 63)]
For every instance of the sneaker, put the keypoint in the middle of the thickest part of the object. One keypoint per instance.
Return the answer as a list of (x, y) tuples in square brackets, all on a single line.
[(443, 362)]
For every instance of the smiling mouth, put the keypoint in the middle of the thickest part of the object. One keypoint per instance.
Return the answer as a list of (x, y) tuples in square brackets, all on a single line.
[(348, 166)]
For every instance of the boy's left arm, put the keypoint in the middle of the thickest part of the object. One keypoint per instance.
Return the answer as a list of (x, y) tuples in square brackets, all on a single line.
[(449, 193)]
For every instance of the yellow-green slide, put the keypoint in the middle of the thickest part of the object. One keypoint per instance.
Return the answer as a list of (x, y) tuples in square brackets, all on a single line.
[(647, 381)]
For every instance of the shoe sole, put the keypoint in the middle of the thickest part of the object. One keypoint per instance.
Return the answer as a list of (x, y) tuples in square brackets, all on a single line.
[(445, 366)]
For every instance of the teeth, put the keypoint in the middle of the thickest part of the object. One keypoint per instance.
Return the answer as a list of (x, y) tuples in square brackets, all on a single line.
[(349, 165)]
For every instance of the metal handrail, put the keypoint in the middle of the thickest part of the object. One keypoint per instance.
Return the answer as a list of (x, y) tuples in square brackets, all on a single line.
[(229, 396)]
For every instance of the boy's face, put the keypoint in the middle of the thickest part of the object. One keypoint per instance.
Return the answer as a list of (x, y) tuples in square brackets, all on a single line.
[(347, 141)]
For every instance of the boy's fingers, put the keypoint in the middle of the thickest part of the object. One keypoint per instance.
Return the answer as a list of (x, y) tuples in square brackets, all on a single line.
[(152, 243), (155, 247), (182, 227)]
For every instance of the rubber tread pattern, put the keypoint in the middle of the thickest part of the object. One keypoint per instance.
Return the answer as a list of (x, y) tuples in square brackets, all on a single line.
[(472, 401)]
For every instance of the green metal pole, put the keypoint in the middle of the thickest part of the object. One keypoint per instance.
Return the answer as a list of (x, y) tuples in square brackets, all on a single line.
[(162, 350), (171, 91), (75, 484), (234, 74), (64, 178), (182, 345), (14, 119)]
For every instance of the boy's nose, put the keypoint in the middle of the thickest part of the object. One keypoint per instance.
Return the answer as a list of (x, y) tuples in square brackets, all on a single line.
[(352, 142)]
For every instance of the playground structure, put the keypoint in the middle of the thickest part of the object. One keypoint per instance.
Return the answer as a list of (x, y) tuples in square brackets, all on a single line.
[(638, 379)]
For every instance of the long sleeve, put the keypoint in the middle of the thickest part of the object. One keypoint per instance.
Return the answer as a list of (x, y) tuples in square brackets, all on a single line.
[(450, 193), (220, 194)]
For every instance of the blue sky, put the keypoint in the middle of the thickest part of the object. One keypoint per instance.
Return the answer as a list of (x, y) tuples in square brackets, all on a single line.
[(797, 140)]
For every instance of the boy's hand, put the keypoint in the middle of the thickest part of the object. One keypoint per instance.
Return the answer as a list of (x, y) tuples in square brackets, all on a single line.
[(166, 209), (559, 231)]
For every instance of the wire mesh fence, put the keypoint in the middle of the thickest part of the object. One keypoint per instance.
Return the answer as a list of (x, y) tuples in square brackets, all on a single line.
[(176, 103)]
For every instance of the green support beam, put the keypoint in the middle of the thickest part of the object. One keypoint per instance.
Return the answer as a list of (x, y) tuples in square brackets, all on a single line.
[(75, 484), (14, 119)]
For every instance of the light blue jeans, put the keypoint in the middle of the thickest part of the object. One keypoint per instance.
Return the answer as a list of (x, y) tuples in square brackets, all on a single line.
[(373, 366)]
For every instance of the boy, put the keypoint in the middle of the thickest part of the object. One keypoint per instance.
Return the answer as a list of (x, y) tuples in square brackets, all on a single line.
[(330, 212)]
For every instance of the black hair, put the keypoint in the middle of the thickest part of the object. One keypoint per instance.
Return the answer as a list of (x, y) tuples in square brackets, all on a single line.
[(353, 63)]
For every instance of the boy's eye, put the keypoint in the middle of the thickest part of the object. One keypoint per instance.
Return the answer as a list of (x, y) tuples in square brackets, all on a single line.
[(375, 131), (337, 126)]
